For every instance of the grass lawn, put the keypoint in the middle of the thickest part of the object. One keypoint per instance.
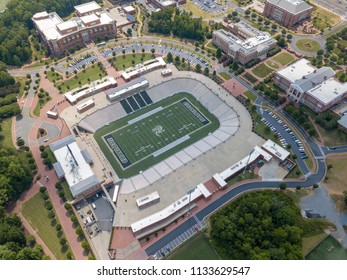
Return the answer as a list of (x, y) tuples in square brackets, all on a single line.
[(295, 172), (225, 75), (39, 63), (132, 147), (328, 249), (6, 126), (22, 81), (3, 4), (250, 95), (337, 175), (67, 191), (262, 70), (323, 18), (91, 73), (211, 46), (125, 61), (36, 214), (284, 58), (53, 76), (307, 45), (238, 178), (309, 243), (272, 64), (39, 105), (197, 247)]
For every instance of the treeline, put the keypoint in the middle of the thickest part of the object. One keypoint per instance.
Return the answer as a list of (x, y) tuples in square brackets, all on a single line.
[(179, 23), (13, 243), (8, 89), (260, 225), (16, 26)]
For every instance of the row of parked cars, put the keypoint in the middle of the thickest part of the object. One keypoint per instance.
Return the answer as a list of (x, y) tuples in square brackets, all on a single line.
[(283, 141)]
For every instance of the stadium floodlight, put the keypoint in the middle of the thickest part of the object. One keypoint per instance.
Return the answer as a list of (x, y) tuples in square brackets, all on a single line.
[(249, 157), (189, 192)]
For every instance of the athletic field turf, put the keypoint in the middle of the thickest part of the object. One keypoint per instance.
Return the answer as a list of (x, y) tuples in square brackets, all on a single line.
[(328, 249), (152, 134)]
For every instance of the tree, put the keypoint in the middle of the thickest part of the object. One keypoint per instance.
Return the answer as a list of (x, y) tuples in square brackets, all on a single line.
[(153, 51), (283, 186), (62, 241), (289, 146), (58, 227), (169, 57), (31, 241), (206, 71), (79, 231), (20, 142), (267, 130), (219, 53), (345, 197), (330, 166), (85, 245), (298, 187), (294, 156), (235, 65), (315, 186), (129, 32), (198, 68), (320, 52), (67, 207), (258, 225)]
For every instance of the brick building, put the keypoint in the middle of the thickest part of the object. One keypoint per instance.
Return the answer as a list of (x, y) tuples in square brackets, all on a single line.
[(243, 42), (316, 88), (61, 36), (287, 12)]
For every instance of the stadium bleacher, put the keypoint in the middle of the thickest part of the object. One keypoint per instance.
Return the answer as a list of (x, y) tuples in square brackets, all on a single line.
[(139, 100), (146, 97), (126, 106), (133, 103)]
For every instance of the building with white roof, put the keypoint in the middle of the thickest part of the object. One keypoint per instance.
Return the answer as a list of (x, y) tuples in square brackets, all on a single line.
[(87, 8), (275, 150), (287, 12), (129, 10), (243, 42), (313, 87), (74, 96), (143, 68), (325, 95), (127, 89), (166, 216), (163, 3), (61, 36), (73, 165), (286, 76)]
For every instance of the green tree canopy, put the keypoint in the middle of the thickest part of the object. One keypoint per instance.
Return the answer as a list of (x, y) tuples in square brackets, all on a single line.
[(259, 225)]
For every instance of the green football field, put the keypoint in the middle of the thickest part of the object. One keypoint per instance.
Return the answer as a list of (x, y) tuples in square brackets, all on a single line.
[(328, 249), (150, 135)]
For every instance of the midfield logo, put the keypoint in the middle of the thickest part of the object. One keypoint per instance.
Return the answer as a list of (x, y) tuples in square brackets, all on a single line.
[(158, 130)]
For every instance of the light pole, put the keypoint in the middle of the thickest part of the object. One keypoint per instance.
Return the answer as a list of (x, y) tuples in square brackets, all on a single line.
[(249, 157), (189, 192)]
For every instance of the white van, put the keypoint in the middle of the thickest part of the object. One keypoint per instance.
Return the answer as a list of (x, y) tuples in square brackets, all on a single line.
[(93, 205)]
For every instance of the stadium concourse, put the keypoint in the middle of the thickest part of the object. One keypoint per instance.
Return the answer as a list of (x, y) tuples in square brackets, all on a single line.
[(175, 175)]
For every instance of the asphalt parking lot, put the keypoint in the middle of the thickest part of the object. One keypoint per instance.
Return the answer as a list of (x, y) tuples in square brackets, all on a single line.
[(192, 58), (286, 136), (211, 6)]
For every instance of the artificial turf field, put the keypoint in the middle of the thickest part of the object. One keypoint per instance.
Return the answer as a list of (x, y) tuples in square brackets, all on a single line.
[(328, 249), (154, 133)]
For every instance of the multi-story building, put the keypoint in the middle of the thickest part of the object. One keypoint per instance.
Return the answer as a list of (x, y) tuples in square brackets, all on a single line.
[(61, 36), (313, 87), (287, 12), (243, 42)]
